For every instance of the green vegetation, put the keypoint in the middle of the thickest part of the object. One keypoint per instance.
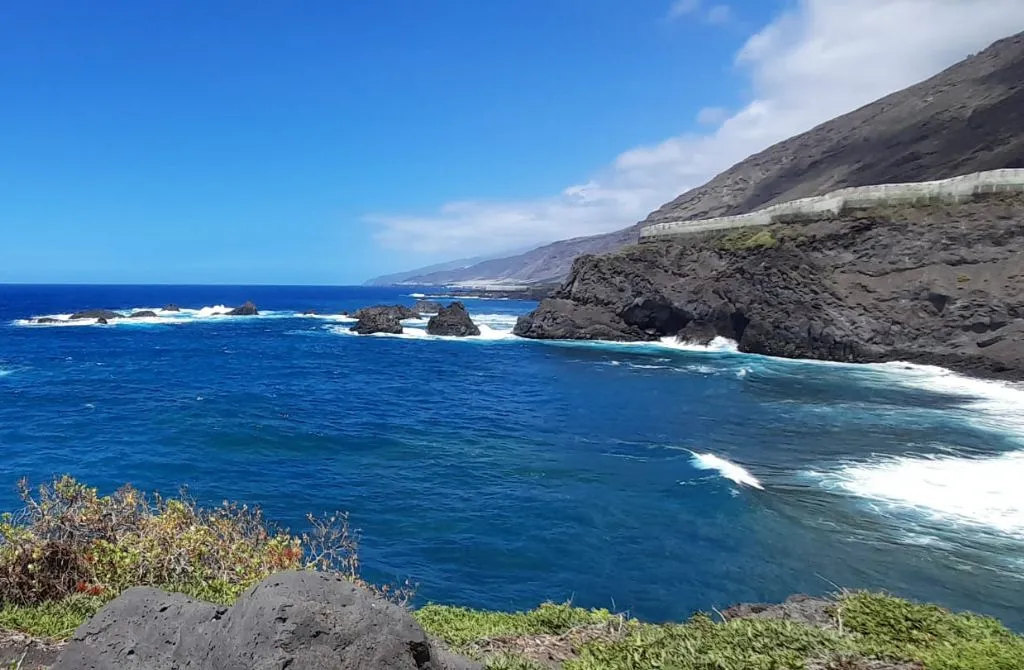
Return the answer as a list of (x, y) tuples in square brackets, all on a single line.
[(746, 240), (962, 279), (54, 620), (460, 626), (71, 550), (866, 626)]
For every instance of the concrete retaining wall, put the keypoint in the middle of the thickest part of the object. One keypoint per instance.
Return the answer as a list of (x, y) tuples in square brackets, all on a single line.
[(956, 189)]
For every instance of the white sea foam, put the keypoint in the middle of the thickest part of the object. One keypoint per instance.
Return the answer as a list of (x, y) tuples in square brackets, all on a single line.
[(727, 469), (984, 492), (487, 334), (418, 295), (6, 371), (184, 315), (206, 312), (718, 344), (992, 405), (61, 322), (497, 321), (339, 318)]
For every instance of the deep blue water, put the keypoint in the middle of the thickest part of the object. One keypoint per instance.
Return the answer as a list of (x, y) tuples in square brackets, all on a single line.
[(502, 472)]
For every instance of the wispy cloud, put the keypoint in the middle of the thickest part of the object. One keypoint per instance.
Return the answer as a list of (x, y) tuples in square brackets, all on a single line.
[(719, 14), (816, 61), (681, 8)]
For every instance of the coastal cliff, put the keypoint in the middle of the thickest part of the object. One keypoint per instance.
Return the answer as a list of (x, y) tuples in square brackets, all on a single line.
[(936, 284)]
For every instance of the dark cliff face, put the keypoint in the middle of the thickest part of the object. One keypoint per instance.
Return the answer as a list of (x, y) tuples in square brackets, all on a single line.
[(967, 118), (941, 284)]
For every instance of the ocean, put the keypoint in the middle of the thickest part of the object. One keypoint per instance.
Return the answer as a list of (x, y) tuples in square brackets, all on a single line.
[(656, 479)]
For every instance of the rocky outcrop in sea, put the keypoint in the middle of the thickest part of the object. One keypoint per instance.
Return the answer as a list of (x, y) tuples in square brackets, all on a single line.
[(105, 314), (427, 306), (382, 319), (247, 309), (452, 321)]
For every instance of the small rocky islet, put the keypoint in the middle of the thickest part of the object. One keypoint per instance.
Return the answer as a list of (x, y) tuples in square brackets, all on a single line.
[(450, 321), (105, 316)]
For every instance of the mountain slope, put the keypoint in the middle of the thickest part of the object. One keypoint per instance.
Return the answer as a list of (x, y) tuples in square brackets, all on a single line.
[(967, 118), (403, 277)]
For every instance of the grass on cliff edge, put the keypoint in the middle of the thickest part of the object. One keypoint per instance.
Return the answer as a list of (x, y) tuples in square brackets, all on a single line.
[(874, 627)]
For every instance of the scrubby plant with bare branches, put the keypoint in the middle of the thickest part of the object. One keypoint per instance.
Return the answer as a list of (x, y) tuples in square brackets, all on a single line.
[(70, 540)]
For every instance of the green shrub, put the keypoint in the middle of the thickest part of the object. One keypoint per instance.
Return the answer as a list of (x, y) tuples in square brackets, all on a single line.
[(894, 628), (700, 644), (869, 627), (459, 626), (745, 240)]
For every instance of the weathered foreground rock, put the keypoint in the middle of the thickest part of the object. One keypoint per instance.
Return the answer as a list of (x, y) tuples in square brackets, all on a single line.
[(938, 284), (298, 620), (248, 309), (96, 314), (381, 319), (452, 321)]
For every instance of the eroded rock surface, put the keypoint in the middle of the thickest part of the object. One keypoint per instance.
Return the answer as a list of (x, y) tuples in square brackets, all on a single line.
[(307, 620)]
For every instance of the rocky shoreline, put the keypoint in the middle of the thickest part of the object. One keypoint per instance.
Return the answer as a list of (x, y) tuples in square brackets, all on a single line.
[(939, 284)]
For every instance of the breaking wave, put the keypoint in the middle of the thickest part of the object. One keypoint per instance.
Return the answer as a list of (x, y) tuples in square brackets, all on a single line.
[(984, 492), (731, 471), (981, 491)]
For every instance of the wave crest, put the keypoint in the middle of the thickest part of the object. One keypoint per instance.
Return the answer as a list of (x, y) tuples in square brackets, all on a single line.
[(727, 469)]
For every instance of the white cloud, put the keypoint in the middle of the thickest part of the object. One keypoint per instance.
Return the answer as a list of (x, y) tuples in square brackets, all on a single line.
[(719, 14), (818, 60), (712, 116)]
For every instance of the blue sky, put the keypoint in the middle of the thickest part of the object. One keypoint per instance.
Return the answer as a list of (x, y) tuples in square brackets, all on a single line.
[(326, 142)]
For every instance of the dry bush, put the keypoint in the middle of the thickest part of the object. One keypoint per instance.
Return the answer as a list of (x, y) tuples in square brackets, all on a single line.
[(69, 540)]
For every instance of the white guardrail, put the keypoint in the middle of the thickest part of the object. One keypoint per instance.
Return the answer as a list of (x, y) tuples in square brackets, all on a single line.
[(955, 189)]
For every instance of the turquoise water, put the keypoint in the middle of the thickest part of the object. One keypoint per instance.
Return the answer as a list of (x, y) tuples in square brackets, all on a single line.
[(499, 472)]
